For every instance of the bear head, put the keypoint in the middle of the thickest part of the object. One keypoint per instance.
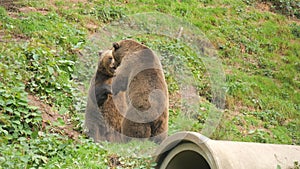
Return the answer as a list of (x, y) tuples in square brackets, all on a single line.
[(106, 64), (125, 48)]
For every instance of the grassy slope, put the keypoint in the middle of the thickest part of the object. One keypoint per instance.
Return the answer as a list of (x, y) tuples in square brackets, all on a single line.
[(40, 52)]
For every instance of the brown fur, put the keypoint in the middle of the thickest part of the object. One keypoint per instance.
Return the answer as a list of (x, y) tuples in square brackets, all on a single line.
[(102, 118), (141, 76)]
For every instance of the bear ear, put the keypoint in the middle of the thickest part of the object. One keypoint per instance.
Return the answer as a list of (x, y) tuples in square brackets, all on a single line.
[(100, 53), (116, 45)]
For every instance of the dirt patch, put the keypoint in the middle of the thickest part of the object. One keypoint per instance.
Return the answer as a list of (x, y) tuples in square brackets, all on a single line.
[(2, 34), (13, 38), (9, 5), (67, 3), (42, 11), (50, 117), (13, 8), (27, 9), (264, 6), (92, 26), (114, 161), (175, 100), (76, 1), (237, 106)]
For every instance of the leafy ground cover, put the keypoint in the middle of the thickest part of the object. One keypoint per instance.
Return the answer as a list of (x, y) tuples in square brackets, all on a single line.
[(44, 75)]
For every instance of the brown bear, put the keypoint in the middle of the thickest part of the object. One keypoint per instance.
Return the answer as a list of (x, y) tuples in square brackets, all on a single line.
[(102, 118), (141, 76)]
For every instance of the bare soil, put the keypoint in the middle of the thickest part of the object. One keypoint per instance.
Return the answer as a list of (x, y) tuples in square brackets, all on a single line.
[(264, 6), (50, 116)]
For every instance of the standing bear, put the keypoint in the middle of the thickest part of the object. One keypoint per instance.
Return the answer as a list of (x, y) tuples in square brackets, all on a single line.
[(102, 118), (140, 76)]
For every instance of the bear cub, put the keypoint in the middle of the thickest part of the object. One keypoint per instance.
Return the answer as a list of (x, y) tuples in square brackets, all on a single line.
[(102, 118)]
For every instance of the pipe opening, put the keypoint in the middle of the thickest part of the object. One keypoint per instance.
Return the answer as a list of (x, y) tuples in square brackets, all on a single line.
[(184, 156), (188, 160)]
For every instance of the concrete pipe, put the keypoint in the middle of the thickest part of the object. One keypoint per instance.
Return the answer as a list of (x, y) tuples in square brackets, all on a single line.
[(190, 150)]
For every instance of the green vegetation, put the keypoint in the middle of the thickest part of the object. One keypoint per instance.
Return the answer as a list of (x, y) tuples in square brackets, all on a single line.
[(286, 7), (44, 75)]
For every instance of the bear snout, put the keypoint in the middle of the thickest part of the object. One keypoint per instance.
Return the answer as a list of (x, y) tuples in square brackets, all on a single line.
[(113, 65)]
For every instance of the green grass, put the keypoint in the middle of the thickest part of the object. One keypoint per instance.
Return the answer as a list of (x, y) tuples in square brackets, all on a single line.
[(47, 53)]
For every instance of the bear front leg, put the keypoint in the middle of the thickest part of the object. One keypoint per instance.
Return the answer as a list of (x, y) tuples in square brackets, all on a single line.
[(94, 125), (159, 129), (119, 84), (102, 94), (97, 132)]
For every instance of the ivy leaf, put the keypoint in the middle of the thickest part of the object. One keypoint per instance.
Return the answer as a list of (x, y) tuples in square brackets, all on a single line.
[(35, 56), (9, 109), (61, 121), (63, 110), (28, 120), (9, 102), (2, 103), (50, 70)]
